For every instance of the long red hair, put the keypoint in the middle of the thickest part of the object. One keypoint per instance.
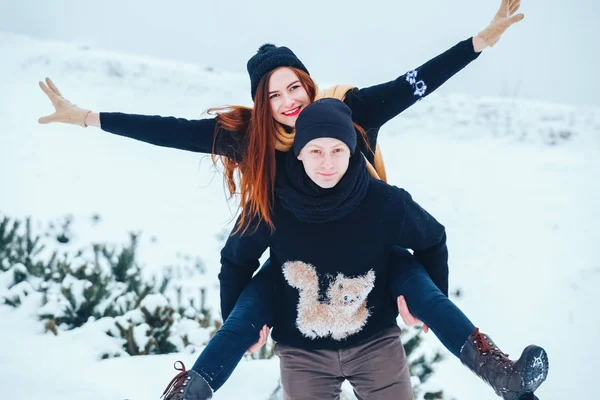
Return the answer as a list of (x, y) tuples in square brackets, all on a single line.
[(256, 170)]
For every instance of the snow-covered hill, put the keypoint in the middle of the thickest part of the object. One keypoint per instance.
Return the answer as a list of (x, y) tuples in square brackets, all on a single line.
[(514, 182)]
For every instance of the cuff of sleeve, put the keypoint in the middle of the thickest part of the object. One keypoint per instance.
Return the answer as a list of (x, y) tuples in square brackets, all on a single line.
[(467, 45)]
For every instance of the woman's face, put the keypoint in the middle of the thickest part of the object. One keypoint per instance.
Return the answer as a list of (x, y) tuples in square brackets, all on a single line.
[(286, 96), (325, 161)]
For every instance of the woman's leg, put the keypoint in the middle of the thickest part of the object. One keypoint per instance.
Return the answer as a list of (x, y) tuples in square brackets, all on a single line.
[(512, 380), (254, 308), (426, 302)]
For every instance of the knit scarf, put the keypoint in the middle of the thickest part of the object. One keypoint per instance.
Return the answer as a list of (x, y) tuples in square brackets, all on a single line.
[(311, 203), (284, 140)]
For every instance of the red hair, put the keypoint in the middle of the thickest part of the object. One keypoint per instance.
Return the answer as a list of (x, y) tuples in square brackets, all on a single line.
[(256, 169)]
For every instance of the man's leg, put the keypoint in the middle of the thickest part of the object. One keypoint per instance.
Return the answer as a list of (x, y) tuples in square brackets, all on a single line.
[(378, 368), (309, 374)]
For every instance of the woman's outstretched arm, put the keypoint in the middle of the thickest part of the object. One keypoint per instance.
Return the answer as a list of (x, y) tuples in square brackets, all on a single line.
[(375, 105), (197, 135)]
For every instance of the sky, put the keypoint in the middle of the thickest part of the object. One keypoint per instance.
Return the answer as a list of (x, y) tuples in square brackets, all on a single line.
[(552, 55)]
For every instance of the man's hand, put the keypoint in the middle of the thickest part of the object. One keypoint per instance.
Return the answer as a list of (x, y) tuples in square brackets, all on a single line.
[(407, 317), (262, 339)]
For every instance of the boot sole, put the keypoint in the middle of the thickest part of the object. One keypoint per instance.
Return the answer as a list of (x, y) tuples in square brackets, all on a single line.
[(535, 373)]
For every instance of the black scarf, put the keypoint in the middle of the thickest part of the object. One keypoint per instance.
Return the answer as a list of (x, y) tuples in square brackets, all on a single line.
[(311, 203)]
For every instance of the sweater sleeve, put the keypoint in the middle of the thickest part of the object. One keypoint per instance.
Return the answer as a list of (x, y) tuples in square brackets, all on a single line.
[(427, 238), (197, 135), (239, 259), (375, 105)]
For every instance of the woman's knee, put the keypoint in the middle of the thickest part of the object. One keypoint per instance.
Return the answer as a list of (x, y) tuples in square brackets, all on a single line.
[(256, 302), (241, 325), (405, 278), (419, 292), (250, 311)]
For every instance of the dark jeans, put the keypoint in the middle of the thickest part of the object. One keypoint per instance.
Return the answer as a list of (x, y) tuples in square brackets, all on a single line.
[(426, 302), (256, 307), (253, 309)]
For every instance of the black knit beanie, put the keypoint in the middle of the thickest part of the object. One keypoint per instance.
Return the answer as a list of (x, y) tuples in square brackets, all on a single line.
[(327, 117), (267, 58)]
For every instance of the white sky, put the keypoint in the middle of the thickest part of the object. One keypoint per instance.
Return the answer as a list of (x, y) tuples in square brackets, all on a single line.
[(552, 55)]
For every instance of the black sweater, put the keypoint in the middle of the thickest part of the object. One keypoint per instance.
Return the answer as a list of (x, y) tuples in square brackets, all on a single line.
[(334, 263), (371, 108)]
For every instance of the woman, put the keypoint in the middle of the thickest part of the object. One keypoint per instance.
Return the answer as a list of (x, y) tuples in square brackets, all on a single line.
[(343, 327)]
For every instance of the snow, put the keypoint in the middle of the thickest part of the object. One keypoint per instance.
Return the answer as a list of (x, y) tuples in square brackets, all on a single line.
[(189, 328), (154, 301), (514, 182)]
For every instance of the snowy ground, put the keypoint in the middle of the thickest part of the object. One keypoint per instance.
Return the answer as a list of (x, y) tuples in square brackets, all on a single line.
[(515, 184)]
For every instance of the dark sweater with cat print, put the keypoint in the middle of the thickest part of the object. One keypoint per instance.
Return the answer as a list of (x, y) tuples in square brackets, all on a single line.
[(330, 274)]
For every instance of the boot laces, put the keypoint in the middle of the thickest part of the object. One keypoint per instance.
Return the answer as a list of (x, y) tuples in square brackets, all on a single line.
[(178, 382), (485, 348)]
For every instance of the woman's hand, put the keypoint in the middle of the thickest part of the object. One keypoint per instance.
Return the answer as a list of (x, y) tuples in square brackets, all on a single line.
[(65, 111), (262, 339), (503, 19), (407, 317)]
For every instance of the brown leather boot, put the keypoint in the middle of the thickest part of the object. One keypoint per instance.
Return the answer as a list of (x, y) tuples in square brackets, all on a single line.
[(187, 385), (511, 380)]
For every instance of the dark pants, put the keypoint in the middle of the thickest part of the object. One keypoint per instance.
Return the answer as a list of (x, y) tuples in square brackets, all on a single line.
[(426, 302), (255, 308), (377, 369)]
